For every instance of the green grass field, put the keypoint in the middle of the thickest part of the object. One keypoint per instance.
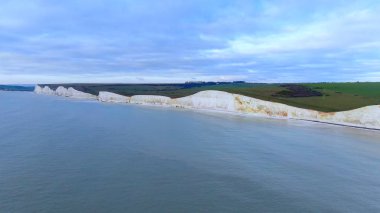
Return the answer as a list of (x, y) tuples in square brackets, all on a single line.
[(335, 96)]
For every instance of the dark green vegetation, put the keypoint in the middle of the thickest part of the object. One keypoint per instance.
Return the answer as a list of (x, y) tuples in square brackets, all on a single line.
[(16, 88), (296, 91), (327, 97)]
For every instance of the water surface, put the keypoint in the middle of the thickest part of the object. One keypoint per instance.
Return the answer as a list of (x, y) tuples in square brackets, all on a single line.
[(61, 155)]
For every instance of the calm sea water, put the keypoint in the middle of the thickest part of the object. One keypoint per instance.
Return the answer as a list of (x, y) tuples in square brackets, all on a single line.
[(60, 155)]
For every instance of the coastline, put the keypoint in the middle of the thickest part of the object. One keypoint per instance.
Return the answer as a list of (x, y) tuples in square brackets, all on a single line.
[(224, 102)]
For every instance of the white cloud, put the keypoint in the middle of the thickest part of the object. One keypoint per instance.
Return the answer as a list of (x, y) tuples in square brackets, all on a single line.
[(276, 40), (355, 29)]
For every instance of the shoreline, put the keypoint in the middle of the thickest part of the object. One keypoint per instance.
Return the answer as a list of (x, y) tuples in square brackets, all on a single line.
[(222, 102), (241, 114)]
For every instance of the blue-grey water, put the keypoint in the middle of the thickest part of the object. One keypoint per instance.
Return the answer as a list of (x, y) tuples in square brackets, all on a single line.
[(61, 155)]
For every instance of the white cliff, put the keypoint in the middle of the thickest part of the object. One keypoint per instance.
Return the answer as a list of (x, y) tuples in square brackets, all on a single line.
[(46, 90), (255, 106), (112, 97), (80, 95), (38, 89), (151, 100), (61, 91), (367, 117), (212, 100)]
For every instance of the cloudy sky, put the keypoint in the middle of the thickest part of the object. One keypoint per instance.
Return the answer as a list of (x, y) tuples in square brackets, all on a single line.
[(141, 41)]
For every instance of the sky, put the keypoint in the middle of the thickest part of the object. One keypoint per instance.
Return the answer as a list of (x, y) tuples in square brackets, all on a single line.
[(170, 41)]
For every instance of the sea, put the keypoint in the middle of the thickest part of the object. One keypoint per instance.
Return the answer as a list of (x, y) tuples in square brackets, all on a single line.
[(65, 155)]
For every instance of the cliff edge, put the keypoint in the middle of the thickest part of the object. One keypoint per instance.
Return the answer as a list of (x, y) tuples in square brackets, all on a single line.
[(365, 117)]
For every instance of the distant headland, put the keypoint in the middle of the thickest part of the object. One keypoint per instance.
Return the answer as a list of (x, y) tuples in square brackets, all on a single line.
[(22, 88)]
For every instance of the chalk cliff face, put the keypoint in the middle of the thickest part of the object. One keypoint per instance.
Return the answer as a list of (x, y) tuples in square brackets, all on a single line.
[(80, 95), (112, 97), (151, 100), (246, 104), (38, 89), (61, 91), (213, 100), (368, 117), (46, 90)]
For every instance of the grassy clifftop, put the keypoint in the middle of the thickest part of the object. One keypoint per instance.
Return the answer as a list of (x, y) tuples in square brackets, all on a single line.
[(327, 97)]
